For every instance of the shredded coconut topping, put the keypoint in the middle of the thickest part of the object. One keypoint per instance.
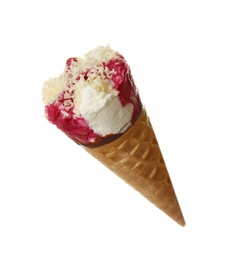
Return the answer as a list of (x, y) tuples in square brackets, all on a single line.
[(52, 89), (78, 74)]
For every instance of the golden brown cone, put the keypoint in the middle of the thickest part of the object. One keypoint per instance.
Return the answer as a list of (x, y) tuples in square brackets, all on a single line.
[(137, 159)]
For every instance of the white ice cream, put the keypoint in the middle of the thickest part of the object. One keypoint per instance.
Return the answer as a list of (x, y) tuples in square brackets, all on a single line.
[(94, 98), (104, 112)]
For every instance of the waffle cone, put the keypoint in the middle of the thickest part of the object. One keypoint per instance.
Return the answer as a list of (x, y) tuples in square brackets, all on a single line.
[(137, 159)]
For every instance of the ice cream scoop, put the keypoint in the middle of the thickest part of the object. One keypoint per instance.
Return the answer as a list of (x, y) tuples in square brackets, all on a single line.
[(94, 99), (96, 103)]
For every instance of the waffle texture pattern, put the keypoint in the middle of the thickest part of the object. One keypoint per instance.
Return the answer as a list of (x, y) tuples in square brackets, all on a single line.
[(137, 159)]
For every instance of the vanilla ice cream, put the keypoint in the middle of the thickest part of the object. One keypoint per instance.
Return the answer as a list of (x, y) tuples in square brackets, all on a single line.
[(93, 98)]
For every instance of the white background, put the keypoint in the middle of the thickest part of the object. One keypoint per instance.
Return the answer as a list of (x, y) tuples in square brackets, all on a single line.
[(56, 202)]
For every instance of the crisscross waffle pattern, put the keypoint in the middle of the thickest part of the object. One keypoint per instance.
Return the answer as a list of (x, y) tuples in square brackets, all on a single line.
[(136, 158)]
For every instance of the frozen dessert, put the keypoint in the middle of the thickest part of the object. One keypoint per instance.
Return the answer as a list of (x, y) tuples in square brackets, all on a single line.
[(96, 103), (95, 98)]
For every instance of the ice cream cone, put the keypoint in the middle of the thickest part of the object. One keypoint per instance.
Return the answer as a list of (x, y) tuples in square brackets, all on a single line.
[(96, 103), (137, 159)]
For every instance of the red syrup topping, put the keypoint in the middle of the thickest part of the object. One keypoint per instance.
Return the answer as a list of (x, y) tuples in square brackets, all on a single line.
[(77, 128), (124, 83)]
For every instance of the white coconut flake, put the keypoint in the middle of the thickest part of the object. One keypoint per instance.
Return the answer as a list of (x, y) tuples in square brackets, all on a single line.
[(65, 113), (100, 54), (52, 89), (67, 95)]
